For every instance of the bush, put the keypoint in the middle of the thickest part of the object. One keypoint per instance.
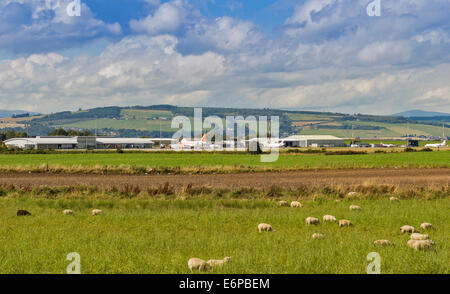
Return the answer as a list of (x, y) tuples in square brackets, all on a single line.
[(119, 150)]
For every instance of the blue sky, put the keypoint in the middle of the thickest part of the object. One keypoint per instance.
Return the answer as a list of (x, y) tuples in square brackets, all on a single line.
[(307, 54)]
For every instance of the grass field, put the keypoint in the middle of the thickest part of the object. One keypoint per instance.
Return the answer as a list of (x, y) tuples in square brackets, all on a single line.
[(159, 236), (217, 162)]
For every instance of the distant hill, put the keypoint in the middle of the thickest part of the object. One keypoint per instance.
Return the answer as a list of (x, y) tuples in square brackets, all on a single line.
[(155, 121), (420, 113), (8, 113)]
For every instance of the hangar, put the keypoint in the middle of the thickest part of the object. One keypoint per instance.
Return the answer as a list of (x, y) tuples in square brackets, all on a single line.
[(314, 141)]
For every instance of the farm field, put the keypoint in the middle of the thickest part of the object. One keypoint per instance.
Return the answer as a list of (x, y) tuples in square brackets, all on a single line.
[(159, 236), (214, 162)]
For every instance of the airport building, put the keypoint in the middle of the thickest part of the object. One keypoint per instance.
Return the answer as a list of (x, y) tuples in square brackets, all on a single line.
[(314, 141), (63, 143)]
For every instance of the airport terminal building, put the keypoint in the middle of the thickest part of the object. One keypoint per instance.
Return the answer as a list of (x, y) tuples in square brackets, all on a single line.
[(314, 141), (67, 143)]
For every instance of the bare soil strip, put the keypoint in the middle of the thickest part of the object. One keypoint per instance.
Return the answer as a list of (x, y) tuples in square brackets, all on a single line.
[(403, 178)]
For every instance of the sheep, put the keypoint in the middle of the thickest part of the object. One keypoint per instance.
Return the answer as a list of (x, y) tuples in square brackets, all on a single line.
[(318, 236), (329, 218), (383, 243), (23, 213), (420, 244), (68, 212), (296, 204), (351, 194), (218, 262), (283, 203), (264, 227), (408, 229), (198, 264), (426, 226), (97, 211), (312, 221), (354, 207), (345, 222), (393, 199), (417, 236)]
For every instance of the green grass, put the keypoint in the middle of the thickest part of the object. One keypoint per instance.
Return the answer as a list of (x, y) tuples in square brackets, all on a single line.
[(159, 236), (206, 159), (116, 124)]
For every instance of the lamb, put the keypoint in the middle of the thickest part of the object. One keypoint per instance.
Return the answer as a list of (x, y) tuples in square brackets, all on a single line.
[(408, 229), (296, 204), (420, 244), (23, 213), (283, 203), (393, 199), (354, 207), (426, 226), (198, 264), (97, 211), (264, 227), (345, 223), (417, 236), (329, 218), (68, 212), (312, 221), (318, 236), (218, 262), (383, 243), (351, 194)]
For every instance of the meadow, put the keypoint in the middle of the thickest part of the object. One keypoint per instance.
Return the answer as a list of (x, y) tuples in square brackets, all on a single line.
[(160, 235), (205, 162)]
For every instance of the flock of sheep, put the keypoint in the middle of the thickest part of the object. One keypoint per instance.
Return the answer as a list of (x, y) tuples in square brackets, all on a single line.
[(65, 212)]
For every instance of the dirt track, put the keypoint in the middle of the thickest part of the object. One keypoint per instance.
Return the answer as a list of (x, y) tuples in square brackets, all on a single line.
[(405, 178)]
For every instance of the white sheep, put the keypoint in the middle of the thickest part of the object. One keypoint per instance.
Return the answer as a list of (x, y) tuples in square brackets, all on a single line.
[(312, 221), (198, 264), (218, 262), (296, 204), (318, 236), (329, 218), (383, 243), (408, 229), (426, 226), (355, 207), (68, 212), (264, 227), (283, 203), (393, 199), (420, 244), (417, 236), (97, 211), (352, 194), (345, 223)]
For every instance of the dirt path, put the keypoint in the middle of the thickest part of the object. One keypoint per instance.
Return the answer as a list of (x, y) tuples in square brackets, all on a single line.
[(405, 178)]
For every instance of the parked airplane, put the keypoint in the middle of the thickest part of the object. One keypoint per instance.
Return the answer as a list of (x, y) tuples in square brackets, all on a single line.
[(189, 144), (437, 145), (388, 145), (270, 143)]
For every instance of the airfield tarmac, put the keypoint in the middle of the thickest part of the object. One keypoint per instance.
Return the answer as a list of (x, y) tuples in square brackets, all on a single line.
[(403, 178)]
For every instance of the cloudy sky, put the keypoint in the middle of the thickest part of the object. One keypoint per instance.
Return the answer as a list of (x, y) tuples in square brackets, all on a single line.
[(326, 55)]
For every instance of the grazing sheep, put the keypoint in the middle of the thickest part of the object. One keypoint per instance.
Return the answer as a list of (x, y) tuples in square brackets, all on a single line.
[(312, 221), (296, 204), (68, 212), (283, 203), (318, 236), (218, 262), (97, 211), (394, 199), (426, 226), (198, 264), (354, 207), (352, 194), (408, 229), (345, 223), (23, 213), (329, 218), (417, 236), (264, 227), (420, 244), (383, 243)]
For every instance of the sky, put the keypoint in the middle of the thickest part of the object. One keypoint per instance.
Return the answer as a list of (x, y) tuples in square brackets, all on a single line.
[(321, 55)]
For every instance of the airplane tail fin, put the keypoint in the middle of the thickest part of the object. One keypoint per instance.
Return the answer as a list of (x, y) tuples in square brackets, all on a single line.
[(204, 138)]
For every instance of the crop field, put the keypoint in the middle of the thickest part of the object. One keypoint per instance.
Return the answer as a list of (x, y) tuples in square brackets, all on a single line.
[(159, 236), (214, 162)]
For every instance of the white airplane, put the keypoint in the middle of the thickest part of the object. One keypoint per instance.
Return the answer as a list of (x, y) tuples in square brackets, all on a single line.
[(270, 143), (388, 145), (437, 145), (188, 144)]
